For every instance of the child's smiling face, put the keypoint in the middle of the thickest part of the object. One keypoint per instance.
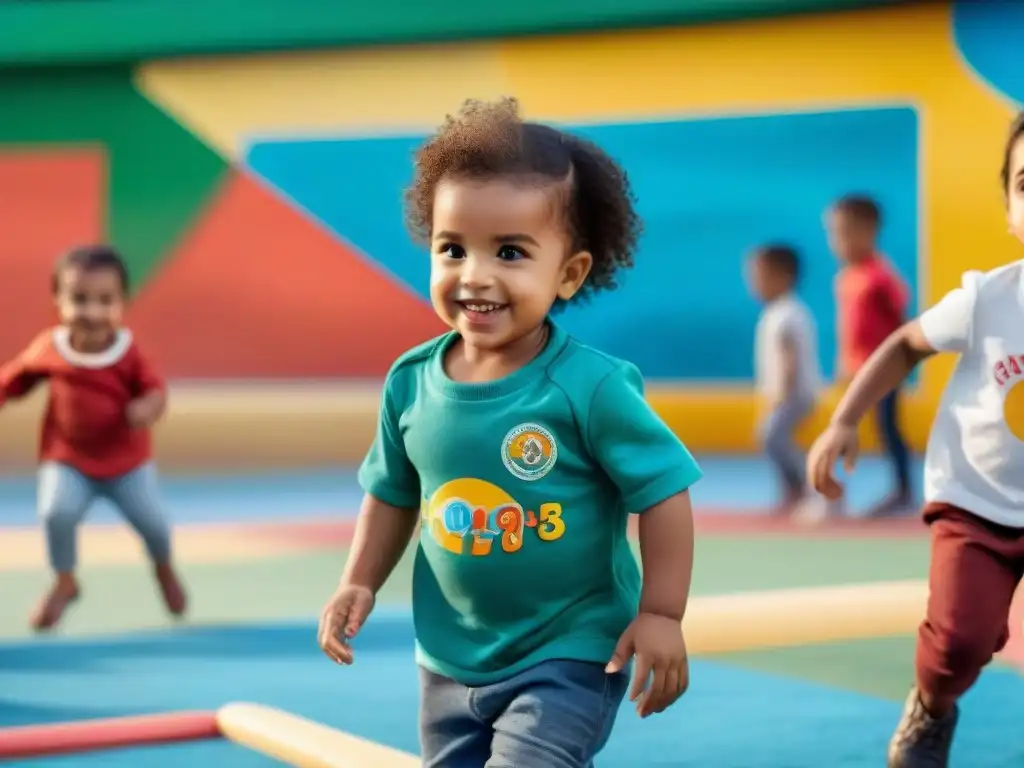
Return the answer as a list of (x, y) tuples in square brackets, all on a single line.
[(91, 303), (1015, 190), (500, 257)]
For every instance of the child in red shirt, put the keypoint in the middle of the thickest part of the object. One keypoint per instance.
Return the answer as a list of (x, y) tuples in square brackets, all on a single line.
[(95, 441), (871, 301)]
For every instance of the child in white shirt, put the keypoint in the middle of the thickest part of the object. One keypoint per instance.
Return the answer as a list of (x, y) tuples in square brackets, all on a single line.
[(974, 478), (786, 364)]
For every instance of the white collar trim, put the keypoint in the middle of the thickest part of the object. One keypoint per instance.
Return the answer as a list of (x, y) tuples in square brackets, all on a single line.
[(110, 356)]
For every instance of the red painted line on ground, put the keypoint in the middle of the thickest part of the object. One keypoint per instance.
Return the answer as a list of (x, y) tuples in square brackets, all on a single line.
[(109, 733)]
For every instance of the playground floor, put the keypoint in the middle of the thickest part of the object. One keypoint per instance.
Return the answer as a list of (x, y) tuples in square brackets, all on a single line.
[(260, 555)]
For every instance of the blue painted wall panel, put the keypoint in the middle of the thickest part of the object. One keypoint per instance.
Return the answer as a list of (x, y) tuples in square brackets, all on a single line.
[(990, 37), (709, 190)]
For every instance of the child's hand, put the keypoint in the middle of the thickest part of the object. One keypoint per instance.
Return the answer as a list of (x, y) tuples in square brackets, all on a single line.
[(657, 642), (143, 412), (342, 618), (839, 441)]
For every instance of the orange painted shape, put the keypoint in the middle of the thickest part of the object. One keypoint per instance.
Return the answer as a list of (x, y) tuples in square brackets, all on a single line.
[(53, 199), (258, 290)]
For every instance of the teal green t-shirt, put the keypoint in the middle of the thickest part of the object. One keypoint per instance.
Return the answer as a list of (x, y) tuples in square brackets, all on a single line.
[(524, 485)]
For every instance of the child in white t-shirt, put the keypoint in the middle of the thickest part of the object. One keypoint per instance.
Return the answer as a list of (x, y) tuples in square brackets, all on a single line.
[(785, 363), (974, 478)]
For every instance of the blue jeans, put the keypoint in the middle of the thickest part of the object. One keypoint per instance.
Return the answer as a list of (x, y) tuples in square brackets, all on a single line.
[(65, 495), (557, 714), (892, 440), (777, 438)]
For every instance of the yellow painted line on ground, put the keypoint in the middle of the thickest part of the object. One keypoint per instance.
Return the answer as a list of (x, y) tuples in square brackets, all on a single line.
[(24, 548), (303, 743), (783, 618)]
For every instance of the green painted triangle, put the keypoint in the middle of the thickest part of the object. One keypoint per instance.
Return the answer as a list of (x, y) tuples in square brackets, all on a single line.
[(161, 176)]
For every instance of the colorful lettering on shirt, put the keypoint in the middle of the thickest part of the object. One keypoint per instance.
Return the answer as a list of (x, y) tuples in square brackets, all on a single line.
[(469, 516), (1008, 375)]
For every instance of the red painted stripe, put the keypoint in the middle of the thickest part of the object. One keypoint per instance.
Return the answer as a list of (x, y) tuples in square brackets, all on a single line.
[(53, 199), (259, 290), (110, 733)]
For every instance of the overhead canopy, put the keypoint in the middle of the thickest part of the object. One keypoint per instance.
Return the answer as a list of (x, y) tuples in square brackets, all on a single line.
[(61, 32)]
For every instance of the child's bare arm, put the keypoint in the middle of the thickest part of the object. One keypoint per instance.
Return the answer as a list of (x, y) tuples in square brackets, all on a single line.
[(666, 550), (15, 381), (21, 375), (887, 367), (144, 411), (382, 534)]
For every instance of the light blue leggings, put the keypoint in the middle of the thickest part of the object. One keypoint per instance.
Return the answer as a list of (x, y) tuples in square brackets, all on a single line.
[(65, 495)]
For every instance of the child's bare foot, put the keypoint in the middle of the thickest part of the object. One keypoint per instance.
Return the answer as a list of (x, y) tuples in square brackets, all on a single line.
[(171, 589), (51, 608)]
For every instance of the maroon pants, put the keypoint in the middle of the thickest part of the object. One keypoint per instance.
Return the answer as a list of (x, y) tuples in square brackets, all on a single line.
[(975, 568)]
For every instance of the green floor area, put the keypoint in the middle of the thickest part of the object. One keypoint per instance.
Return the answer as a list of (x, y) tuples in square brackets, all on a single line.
[(882, 667), (117, 599), (123, 599)]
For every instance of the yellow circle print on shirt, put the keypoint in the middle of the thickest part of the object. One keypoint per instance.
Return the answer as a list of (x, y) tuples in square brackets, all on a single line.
[(1013, 410)]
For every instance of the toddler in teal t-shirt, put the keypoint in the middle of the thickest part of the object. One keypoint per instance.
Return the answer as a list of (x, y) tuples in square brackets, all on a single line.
[(520, 453)]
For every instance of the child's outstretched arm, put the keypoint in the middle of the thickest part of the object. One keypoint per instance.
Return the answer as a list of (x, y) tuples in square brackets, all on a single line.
[(946, 327), (382, 534), (20, 376), (666, 549), (885, 370), (887, 367), (653, 472), (387, 520), (149, 391)]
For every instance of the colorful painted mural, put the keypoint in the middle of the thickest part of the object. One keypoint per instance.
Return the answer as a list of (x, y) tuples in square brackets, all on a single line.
[(258, 196)]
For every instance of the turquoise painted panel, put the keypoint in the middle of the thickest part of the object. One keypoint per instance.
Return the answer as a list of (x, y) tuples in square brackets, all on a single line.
[(990, 36), (709, 190)]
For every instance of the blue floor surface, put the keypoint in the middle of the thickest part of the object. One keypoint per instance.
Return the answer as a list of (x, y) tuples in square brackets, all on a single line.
[(200, 754), (730, 483), (730, 718)]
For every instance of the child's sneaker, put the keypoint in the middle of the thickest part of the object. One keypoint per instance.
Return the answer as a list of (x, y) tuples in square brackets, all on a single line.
[(815, 510), (51, 608), (171, 589), (922, 741)]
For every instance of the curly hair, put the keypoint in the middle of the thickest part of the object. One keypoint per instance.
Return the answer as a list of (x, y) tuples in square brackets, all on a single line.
[(487, 140), (1016, 134)]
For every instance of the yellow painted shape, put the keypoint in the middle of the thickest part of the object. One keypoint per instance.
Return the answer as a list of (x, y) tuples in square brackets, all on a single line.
[(785, 618), (24, 548), (860, 59), (299, 742), (227, 100)]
